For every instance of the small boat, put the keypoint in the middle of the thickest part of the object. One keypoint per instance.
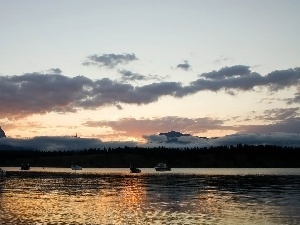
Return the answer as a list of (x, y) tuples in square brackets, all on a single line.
[(76, 167), (134, 169), (162, 167), (25, 166)]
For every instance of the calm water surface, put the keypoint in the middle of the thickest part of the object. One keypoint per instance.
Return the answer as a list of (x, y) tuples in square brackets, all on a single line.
[(182, 196)]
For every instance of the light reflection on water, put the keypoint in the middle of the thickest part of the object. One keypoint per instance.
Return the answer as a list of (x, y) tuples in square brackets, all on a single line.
[(183, 196)]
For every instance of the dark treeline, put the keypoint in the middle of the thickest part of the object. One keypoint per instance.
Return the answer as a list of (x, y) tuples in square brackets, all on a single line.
[(221, 156)]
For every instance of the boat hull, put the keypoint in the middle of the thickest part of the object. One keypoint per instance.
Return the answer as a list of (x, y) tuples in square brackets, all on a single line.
[(25, 167), (162, 169), (134, 170)]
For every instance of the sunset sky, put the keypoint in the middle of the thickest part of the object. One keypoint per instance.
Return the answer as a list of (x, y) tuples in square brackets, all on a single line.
[(124, 71)]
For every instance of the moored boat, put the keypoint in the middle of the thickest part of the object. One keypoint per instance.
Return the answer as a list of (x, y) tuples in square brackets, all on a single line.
[(76, 167), (162, 167), (25, 166), (134, 170)]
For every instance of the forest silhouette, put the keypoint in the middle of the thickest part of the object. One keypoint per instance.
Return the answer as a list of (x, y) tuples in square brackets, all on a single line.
[(239, 156)]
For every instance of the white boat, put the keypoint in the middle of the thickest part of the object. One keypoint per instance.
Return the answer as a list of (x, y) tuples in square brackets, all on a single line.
[(162, 167), (76, 167)]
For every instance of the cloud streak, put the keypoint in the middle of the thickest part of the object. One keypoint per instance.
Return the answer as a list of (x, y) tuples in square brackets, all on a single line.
[(291, 125), (283, 130), (55, 70), (109, 60), (279, 139), (240, 78), (56, 143), (127, 75), (138, 127), (184, 66), (279, 120), (37, 93)]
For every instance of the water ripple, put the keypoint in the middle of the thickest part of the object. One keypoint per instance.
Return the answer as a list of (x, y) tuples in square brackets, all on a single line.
[(169, 198)]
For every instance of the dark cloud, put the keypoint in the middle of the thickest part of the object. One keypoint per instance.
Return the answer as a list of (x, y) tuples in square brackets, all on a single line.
[(290, 125), (130, 76), (221, 59), (285, 120), (278, 114), (227, 72), (279, 139), (270, 100), (108, 92), (41, 93), (294, 100), (110, 60), (45, 143), (240, 78), (185, 66), (241, 83), (55, 71), (36, 93), (155, 138), (280, 79)]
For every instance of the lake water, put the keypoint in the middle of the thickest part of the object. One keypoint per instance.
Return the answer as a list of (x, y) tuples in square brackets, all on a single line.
[(181, 196)]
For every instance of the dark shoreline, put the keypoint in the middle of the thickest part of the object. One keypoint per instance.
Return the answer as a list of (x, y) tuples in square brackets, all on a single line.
[(240, 156)]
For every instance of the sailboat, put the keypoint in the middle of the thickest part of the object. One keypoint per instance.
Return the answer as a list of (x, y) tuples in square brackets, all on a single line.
[(75, 166)]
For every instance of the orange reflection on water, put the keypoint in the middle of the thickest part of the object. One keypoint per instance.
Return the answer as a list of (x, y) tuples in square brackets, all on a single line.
[(133, 192), (35, 202), (69, 201), (142, 199)]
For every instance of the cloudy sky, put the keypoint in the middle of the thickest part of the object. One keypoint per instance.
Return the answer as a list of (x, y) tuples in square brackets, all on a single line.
[(124, 71)]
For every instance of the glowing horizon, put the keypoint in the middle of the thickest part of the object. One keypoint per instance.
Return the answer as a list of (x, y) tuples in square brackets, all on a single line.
[(122, 71)]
